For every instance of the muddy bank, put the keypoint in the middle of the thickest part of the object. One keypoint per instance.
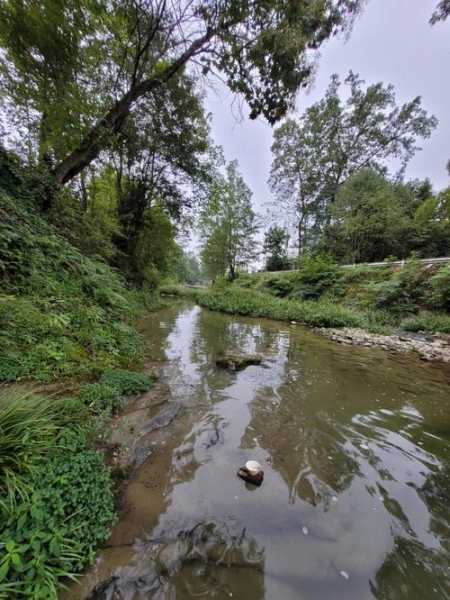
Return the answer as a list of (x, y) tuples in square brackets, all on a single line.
[(428, 347)]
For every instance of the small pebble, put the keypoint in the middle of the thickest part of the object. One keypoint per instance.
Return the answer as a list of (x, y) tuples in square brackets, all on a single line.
[(305, 530), (344, 574)]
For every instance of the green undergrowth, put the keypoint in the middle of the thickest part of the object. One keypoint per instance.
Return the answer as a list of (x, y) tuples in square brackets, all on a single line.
[(108, 393), (247, 302), (415, 297), (56, 494), (180, 291), (61, 313)]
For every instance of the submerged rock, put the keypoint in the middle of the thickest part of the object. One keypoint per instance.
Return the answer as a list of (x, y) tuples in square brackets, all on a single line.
[(252, 472), (236, 362)]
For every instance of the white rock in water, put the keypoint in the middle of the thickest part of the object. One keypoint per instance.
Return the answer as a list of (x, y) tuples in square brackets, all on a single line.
[(253, 467)]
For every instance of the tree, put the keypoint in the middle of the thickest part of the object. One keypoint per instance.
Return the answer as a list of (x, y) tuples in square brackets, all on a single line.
[(314, 155), (126, 50), (441, 13), (161, 156), (276, 241), (373, 218), (228, 226)]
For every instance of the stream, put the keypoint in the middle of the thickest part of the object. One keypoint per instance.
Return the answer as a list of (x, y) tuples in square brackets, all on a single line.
[(355, 446)]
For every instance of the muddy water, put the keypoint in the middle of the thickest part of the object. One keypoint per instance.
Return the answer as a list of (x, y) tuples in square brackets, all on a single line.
[(355, 445)]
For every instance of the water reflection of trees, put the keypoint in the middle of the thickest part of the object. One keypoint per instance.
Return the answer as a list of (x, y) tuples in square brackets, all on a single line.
[(411, 571)]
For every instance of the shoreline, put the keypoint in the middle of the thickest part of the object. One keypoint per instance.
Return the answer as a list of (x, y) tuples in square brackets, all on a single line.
[(431, 348)]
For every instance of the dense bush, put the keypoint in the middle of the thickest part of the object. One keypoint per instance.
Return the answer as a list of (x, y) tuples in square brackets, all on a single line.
[(440, 288), (404, 292), (125, 382), (280, 286), (316, 275), (426, 321), (28, 426), (52, 532), (247, 302)]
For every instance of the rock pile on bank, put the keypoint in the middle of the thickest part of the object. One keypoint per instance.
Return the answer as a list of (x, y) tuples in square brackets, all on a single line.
[(432, 347)]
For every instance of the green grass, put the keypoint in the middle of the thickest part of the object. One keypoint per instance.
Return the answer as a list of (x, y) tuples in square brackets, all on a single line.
[(247, 302), (429, 322)]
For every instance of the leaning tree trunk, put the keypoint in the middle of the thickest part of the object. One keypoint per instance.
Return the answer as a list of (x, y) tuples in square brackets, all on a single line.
[(97, 138)]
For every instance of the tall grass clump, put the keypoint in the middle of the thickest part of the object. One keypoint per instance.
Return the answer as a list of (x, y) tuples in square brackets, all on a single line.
[(29, 424)]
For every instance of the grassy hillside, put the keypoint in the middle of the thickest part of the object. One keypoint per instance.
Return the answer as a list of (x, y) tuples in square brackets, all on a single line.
[(415, 298), (65, 316), (61, 313)]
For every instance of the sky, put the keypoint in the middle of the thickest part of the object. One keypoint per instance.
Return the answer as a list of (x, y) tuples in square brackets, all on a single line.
[(392, 41)]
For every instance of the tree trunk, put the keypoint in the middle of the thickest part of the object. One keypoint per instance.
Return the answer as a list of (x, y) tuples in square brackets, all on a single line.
[(112, 122)]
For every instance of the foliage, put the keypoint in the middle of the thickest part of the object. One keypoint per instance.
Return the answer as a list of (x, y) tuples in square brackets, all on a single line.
[(29, 425), (404, 292), (440, 288), (314, 155), (441, 13), (276, 240), (101, 398), (51, 60), (248, 302), (127, 383), (107, 395), (316, 275), (61, 313), (427, 321), (52, 533), (228, 225)]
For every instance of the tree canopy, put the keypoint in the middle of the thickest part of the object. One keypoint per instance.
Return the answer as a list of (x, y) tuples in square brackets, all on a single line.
[(79, 68), (315, 154)]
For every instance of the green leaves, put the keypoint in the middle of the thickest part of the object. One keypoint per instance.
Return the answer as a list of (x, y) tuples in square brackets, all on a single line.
[(52, 533), (61, 313), (228, 225)]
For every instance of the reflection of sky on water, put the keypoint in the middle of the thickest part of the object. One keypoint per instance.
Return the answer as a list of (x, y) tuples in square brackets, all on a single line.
[(354, 501)]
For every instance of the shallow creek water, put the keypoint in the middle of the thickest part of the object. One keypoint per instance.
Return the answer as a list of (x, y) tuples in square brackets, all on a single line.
[(355, 445)]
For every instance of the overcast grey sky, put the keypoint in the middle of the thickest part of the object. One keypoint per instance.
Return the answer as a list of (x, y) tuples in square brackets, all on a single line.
[(392, 41)]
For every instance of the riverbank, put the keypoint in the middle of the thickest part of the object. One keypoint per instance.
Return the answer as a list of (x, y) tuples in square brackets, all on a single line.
[(70, 358), (426, 333)]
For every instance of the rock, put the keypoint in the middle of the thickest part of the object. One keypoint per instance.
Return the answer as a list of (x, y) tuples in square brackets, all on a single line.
[(236, 362), (252, 473)]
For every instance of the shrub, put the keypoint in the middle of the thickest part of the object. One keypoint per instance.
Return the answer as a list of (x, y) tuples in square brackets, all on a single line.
[(101, 397), (245, 302), (279, 286), (53, 532), (440, 288), (125, 382), (430, 322), (316, 275), (61, 313), (404, 293), (106, 395), (28, 427)]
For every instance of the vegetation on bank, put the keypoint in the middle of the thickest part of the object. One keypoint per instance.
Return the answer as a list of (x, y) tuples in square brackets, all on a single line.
[(323, 294), (56, 492), (64, 316)]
